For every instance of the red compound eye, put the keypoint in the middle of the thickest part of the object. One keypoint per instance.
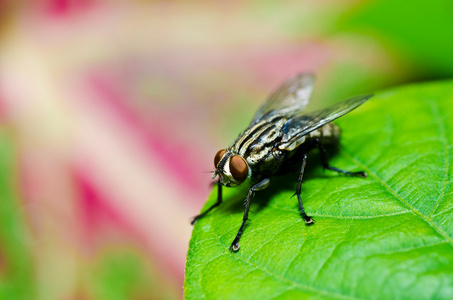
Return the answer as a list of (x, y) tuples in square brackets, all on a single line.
[(239, 168), (218, 157)]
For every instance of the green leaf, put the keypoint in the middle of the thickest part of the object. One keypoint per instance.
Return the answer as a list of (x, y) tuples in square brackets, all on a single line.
[(387, 236)]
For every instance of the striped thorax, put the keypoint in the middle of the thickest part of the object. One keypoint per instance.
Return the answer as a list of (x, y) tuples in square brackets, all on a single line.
[(260, 149)]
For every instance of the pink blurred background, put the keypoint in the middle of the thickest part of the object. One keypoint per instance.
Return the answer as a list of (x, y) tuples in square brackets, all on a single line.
[(112, 111)]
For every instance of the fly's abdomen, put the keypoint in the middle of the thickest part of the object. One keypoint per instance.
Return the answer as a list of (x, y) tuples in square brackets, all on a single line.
[(328, 134)]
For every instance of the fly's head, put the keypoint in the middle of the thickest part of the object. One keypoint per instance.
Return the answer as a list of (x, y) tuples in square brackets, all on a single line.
[(232, 169)]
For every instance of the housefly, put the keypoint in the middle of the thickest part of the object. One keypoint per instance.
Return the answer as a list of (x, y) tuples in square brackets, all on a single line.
[(280, 135)]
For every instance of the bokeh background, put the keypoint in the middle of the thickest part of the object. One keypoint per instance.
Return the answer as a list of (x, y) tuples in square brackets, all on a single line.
[(111, 112)]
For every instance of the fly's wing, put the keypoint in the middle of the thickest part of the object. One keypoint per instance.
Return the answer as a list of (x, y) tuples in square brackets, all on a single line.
[(290, 99), (301, 125)]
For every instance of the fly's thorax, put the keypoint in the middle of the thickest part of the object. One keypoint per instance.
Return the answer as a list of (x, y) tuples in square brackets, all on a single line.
[(231, 168), (258, 140)]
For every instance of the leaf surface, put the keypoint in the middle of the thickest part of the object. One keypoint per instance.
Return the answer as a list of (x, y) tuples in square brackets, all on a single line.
[(387, 236)]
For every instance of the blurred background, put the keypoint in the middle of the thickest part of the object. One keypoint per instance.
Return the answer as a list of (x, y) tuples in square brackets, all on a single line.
[(111, 112)]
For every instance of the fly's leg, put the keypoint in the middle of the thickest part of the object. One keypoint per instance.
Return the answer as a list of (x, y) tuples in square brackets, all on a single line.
[(219, 200), (308, 220), (257, 187), (325, 163)]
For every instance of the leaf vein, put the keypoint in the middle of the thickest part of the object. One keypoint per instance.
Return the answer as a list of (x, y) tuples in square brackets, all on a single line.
[(344, 217), (397, 196), (440, 122), (292, 284)]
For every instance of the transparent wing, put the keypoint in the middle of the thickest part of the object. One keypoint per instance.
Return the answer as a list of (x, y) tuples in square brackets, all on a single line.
[(290, 98), (301, 125)]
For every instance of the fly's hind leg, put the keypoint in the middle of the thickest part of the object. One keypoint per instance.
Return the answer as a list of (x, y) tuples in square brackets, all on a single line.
[(325, 163), (219, 201), (308, 220)]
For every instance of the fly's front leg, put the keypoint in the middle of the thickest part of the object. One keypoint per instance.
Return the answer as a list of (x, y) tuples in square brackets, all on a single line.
[(257, 187), (308, 220), (325, 163), (219, 200)]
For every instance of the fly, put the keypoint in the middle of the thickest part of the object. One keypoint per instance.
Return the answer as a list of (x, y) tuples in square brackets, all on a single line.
[(280, 135)]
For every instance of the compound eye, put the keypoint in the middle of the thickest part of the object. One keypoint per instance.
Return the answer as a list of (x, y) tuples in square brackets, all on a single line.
[(239, 168), (218, 157)]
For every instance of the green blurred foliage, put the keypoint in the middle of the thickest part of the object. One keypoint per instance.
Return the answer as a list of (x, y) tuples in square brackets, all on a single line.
[(114, 275), (16, 275), (123, 275), (417, 32)]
